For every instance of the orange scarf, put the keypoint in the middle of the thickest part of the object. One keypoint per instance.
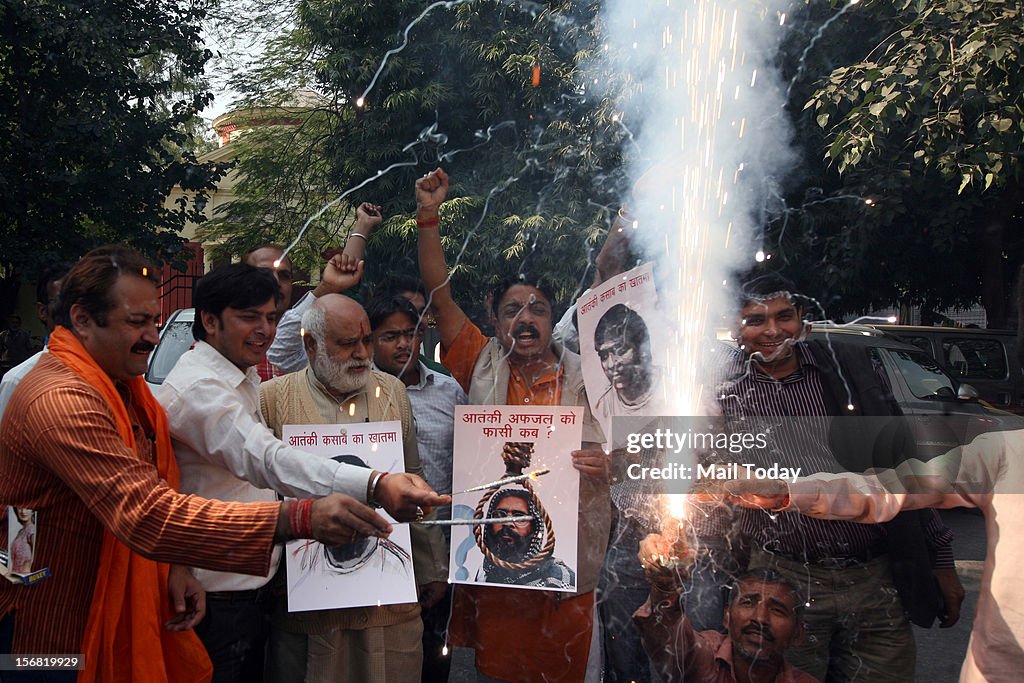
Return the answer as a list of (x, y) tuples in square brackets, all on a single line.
[(125, 639)]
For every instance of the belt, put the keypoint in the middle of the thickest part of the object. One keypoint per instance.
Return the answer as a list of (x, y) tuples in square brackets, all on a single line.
[(235, 596), (849, 560), (836, 562)]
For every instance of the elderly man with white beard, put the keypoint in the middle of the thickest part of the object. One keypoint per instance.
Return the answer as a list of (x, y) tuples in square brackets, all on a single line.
[(371, 644)]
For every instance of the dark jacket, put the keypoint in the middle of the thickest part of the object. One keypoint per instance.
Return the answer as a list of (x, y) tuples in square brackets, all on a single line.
[(860, 444)]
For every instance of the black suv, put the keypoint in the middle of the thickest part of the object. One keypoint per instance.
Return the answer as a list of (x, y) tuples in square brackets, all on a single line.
[(944, 412), (986, 358)]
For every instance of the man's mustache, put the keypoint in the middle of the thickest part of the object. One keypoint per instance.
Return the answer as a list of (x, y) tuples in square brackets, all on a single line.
[(525, 327), (762, 630), (143, 347), (505, 532)]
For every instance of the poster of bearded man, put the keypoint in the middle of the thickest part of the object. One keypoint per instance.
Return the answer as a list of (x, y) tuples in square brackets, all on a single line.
[(513, 473)]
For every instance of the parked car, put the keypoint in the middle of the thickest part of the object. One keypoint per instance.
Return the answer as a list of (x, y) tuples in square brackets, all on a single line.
[(175, 339), (986, 358), (943, 411)]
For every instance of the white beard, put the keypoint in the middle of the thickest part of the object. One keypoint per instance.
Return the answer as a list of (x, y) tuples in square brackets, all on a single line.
[(337, 376)]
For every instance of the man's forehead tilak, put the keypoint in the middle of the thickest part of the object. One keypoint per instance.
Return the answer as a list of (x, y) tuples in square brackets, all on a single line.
[(361, 333), (513, 300)]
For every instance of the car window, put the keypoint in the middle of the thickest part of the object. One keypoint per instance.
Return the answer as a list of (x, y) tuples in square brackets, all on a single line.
[(920, 342), (971, 358), (923, 375), (879, 367), (176, 340)]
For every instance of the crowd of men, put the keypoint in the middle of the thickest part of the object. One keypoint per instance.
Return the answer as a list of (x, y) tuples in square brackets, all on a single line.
[(161, 522)]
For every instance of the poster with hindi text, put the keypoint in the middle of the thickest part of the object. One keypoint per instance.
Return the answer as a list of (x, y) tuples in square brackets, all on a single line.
[(620, 333), (538, 550), (371, 571)]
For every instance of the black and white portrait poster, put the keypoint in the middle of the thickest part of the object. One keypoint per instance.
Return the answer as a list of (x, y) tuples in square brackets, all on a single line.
[(619, 326)]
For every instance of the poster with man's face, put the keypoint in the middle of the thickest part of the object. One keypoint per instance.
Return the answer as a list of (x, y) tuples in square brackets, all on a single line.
[(370, 571), (617, 346), (536, 548)]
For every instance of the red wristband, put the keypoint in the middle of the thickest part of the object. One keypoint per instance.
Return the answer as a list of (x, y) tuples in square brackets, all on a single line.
[(307, 518), (301, 518), (428, 223)]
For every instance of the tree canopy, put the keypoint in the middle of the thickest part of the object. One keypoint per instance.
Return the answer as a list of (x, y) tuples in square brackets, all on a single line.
[(95, 102), (492, 91), (907, 118), (914, 132)]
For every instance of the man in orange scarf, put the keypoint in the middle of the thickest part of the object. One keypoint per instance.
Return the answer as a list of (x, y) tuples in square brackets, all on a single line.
[(84, 444)]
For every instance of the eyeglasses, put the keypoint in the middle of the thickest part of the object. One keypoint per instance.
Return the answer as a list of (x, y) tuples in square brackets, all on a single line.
[(522, 524), (392, 337)]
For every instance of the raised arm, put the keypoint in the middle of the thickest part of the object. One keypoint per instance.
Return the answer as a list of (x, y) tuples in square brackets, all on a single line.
[(615, 256), (666, 633), (344, 271), (431, 190), (341, 272)]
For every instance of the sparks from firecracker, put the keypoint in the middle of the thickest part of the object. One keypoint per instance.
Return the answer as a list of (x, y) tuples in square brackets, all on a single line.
[(361, 100)]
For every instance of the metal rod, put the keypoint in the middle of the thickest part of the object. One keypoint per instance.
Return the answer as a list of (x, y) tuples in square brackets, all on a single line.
[(476, 522), (507, 480)]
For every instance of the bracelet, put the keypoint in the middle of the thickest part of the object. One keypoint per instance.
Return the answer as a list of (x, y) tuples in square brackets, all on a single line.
[(359, 235), (300, 517), (307, 518), (429, 223), (371, 489)]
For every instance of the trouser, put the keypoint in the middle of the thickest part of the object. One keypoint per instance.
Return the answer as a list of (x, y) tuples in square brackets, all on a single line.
[(622, 589), (380, 654), (234, 632), (436, 666), (856, 626), (7, 644)]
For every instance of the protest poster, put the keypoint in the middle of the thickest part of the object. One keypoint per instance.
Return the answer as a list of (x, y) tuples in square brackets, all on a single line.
[(494, 444), (17, 559), (620, 329), (368, 572)]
